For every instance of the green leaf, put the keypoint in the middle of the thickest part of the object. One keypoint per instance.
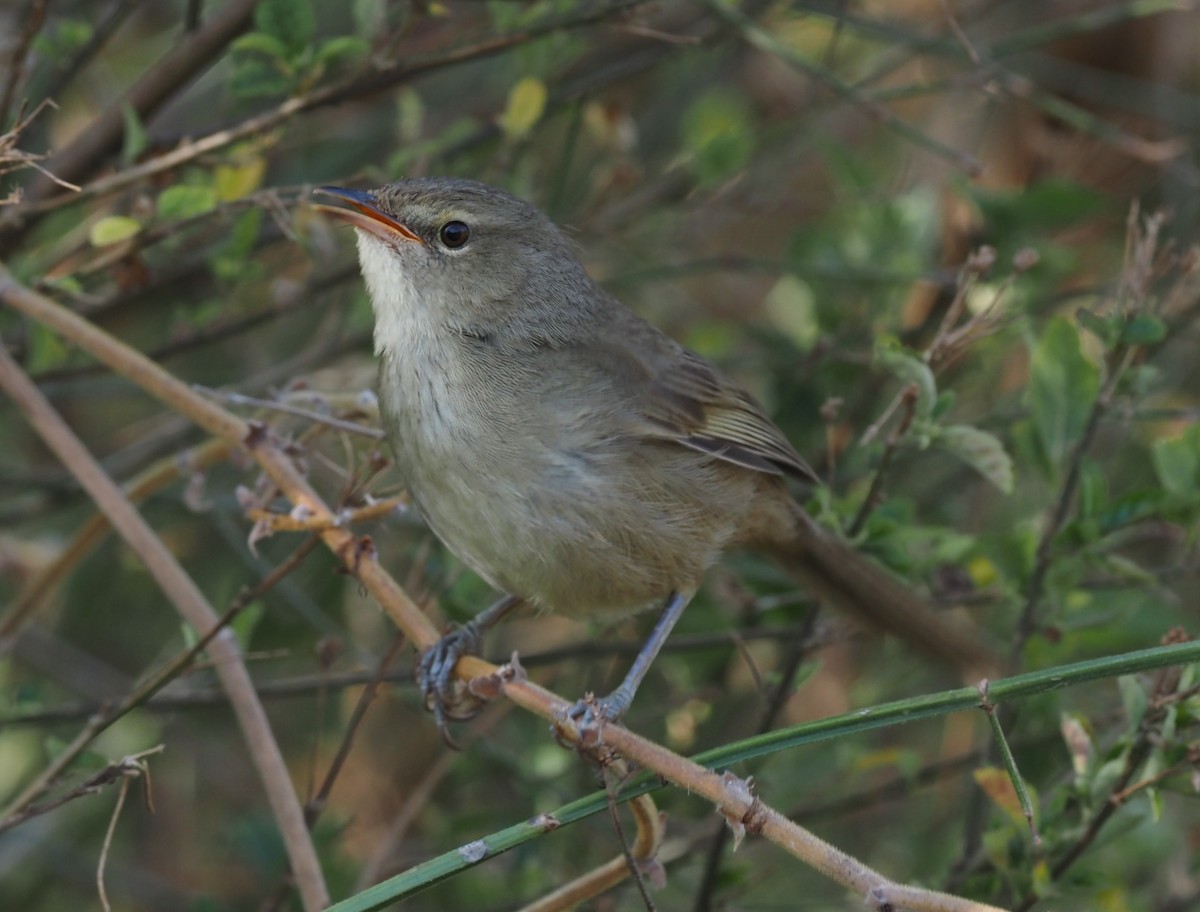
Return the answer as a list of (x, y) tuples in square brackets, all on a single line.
[(1106, 329), (718, 135), (1129, 570), (1144, 329), (1093, 490), (908, 368), (1154, 796), (1133, 698), (135, 139), (370, 17), (46, 349), (184, 201), (247, 620), (235, 180), (291, 22), (1107, 775), (1062, 388), (945, 401), (1177, 462), (1050, 204), (232, 260), (261, 43), (1130, 508), (113, 229), (791, 306), (256, 78), (981, 451), (343, 47), (62, 38)]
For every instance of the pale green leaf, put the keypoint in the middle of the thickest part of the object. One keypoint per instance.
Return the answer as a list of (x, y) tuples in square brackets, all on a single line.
[(46, 349), (342, 47), (791, 306), (526, 104), (1177, 462), (1063, 385), (233, 181), (113, 229), (981, 451), (184, 201), (908, 368), (1133, 697)]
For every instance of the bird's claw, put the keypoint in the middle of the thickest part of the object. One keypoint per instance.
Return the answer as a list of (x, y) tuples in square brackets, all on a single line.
[(446, 696), (592, 713)]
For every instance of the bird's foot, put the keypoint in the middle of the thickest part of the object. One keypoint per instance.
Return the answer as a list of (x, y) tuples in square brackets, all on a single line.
[(449, 698), (591, 714)]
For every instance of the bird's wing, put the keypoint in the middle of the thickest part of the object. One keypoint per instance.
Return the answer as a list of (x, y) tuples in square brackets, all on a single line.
[(679, 396)]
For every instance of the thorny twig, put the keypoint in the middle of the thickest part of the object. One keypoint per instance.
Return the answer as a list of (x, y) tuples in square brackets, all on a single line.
[(1148, 734), (1134, 287), (14, 159)]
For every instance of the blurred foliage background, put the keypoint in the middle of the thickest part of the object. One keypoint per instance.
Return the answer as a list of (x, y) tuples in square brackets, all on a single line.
[(790, 188)]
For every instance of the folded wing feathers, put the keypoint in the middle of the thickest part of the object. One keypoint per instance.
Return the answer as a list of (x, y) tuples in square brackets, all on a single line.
[(709, 414)]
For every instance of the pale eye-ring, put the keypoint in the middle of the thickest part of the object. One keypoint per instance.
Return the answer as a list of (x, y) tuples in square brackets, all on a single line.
[(454, 234)]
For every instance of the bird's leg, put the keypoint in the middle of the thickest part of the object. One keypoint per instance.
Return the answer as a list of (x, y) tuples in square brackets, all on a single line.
[(435, 671), (608, 709)]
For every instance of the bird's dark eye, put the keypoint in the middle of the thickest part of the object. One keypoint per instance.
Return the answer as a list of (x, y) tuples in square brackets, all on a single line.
[(455, 234)]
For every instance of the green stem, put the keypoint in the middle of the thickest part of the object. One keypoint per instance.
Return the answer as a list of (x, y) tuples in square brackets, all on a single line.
[(900, 711)]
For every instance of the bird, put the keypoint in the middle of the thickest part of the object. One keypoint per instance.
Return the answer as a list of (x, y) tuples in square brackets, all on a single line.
[(568, 451)]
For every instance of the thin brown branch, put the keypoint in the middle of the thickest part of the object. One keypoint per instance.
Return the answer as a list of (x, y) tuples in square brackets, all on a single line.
[(382, 79), (33, 17), (92, 532), (798, 650), (650, 833), (908, 401), (154, 88), (316, 804), (277, 522), (14, 159), (22, 808), (733, 799), (303, 685), (192, 606), (104, 28), (355, 554), (1134, 281), (769, 44), (288, 408), (128, 769), (1149, 733)]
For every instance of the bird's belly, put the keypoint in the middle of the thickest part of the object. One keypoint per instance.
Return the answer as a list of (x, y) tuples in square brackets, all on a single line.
[(552, 537), (577, 525)]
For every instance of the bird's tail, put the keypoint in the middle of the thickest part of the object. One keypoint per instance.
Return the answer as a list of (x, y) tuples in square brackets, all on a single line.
[(855, 584)]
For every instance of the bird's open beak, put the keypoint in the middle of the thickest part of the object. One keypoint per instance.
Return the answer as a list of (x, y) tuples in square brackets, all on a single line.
[(365, 214)]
